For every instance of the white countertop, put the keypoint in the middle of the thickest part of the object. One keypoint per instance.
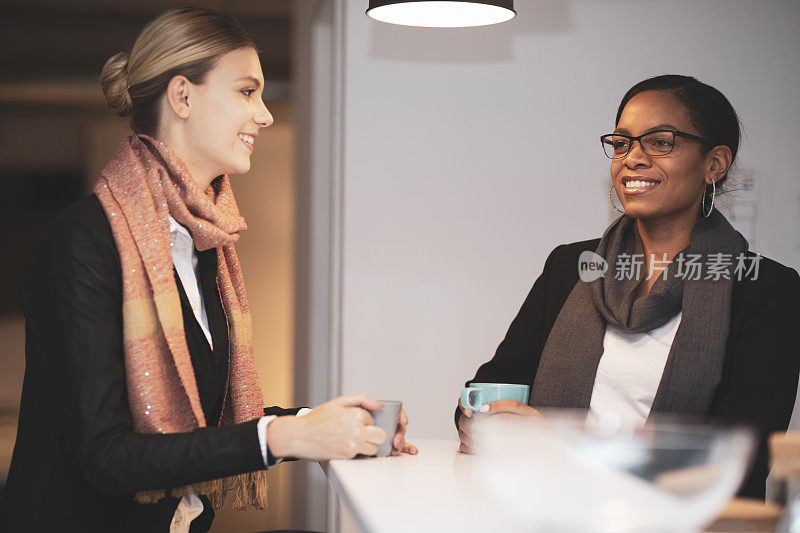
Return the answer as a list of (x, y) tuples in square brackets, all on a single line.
[(438, 490), (433, 491)]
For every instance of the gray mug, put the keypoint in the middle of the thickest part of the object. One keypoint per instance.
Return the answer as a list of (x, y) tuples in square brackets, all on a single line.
[(387, 418)]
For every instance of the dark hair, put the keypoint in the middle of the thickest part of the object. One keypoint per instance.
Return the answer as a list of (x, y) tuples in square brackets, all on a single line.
[(710, 112), (185, 41)]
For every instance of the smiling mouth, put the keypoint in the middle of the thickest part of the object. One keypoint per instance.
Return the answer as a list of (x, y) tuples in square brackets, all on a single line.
[(248, 140), (638, 185)]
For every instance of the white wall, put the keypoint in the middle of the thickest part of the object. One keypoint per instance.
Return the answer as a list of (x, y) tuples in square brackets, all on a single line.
[(469, 154)]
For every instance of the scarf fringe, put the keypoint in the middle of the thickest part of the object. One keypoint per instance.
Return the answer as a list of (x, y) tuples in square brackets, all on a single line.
[(249, 491), (150, 496)]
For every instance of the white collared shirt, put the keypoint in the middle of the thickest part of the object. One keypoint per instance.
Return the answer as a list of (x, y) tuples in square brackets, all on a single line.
[(186, 263)]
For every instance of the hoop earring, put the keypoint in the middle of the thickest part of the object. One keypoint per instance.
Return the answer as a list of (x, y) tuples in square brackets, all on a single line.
[(713, 195), (610, 199)]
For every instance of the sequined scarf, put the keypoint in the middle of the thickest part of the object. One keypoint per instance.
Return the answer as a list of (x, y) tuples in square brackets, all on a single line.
[(142, 185)]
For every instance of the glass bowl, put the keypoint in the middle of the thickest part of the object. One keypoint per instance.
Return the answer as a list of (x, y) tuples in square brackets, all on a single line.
[(567, 472)]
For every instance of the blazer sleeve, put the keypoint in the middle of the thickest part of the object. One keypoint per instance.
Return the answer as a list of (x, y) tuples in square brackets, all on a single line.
[(762, 379), (79, 315), (517, 357), (281, 411)]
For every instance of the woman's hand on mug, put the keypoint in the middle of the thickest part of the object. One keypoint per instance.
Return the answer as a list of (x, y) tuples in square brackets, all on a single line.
[(338, 429), (505, 408), (400, 445), (465, 427), (509, 406)]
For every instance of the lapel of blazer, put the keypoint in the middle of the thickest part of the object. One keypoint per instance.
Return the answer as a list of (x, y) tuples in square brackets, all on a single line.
[(217, 323)]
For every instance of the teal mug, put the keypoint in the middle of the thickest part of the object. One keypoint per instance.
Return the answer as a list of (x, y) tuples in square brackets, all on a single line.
[(477, 394)]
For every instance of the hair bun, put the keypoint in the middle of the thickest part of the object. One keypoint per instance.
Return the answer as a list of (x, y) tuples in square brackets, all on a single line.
[(114, 80)]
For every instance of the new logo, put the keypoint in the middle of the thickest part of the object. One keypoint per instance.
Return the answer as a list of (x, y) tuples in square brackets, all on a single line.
[(591, 266)]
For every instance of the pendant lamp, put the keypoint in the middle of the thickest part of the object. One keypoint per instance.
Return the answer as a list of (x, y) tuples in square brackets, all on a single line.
[(442, 14)]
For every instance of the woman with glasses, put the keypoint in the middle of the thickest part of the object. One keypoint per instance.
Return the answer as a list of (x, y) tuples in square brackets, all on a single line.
[(669, 312), (141, 408)]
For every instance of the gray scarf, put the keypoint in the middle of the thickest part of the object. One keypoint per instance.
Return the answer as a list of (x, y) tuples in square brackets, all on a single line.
[(568, 365)]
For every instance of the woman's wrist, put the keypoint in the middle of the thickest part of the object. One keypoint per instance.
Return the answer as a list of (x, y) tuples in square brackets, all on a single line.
[(282, 436)]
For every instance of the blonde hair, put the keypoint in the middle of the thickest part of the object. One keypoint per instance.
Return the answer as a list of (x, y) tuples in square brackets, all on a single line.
[(186, 41)]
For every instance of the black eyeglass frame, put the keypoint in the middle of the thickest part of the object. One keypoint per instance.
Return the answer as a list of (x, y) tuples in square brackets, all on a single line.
[(675, 133)]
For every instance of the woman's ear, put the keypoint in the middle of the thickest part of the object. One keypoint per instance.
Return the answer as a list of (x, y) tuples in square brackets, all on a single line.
[(719, 161), (177, 95)]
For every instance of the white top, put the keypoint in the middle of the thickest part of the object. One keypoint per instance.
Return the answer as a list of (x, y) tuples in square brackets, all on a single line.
[(186, 263), (630, 371)]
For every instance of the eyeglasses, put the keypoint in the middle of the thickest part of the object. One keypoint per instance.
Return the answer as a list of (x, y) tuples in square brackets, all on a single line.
[(654, 143)]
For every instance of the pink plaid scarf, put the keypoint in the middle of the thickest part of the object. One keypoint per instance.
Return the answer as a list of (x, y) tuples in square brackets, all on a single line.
[(140, 187)]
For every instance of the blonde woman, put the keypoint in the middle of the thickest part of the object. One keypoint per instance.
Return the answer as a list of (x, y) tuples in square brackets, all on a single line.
[(141, 407)]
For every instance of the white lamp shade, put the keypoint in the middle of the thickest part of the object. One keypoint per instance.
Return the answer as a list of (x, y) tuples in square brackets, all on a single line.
[(442, 14)]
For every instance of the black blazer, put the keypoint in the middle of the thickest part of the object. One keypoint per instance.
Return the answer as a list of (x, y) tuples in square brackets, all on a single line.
[(762, 361), (76, 449)]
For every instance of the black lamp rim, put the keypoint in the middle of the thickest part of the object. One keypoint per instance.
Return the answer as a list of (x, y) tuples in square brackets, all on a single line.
[(505, 4)]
